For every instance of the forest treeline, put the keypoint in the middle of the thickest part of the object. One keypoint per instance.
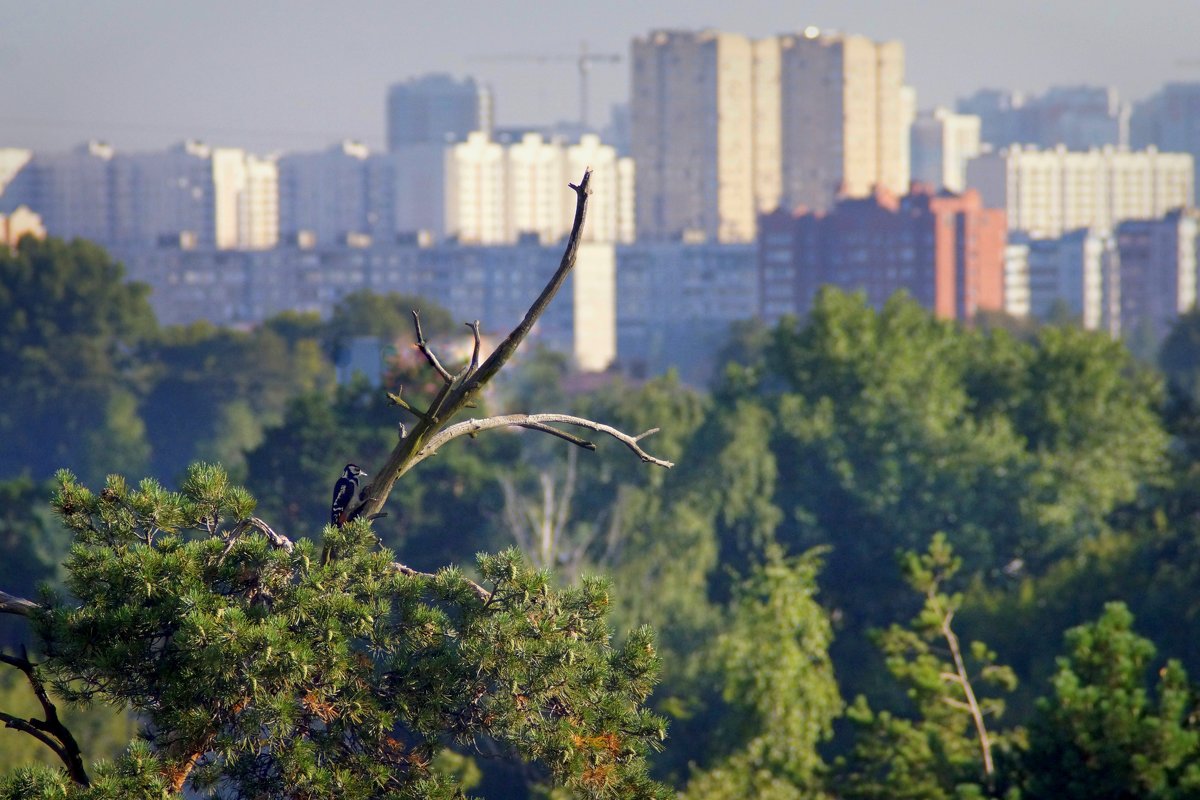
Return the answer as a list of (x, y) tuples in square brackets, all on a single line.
[(898, 558)]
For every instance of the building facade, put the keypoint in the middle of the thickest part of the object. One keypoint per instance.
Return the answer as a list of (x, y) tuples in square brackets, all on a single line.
[(844, 127), (72, 192), (1074, 117), (492, 284), (436, 109), (1158, 270), (1170, 121), (724, 128), (20, 222), (325, 194), (1048, 192), (222, 197), (1076, 276), (942, 144), (947, 251), (710, 287)]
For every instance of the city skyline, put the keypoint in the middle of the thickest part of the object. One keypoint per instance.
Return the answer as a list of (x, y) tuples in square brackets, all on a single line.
[(142, 75)]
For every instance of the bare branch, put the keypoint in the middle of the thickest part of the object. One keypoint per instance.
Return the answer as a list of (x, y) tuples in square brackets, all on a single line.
[(474, 426), (276, 539), (397, 400), (50, 732), (26, 726), (423, 346), (564, 435), (480, 592), (11, 604), (505, 350), (454, 397), (474, 364)]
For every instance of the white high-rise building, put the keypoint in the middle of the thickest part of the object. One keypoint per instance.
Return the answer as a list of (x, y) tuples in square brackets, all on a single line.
[(942, 144), (610, 208), (12, 160), (536, 173), (1016, 279), (476, 182), (258, 205), (496, 193), (843, 118), (1049, 192), (165, 195), (694, 107), (188, 193), (246, 194)]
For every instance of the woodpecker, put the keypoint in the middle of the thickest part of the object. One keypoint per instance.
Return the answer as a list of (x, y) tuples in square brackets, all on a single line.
[(343, 494)]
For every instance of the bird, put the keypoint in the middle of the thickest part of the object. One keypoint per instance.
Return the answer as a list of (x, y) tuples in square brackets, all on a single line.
[(343, 494)]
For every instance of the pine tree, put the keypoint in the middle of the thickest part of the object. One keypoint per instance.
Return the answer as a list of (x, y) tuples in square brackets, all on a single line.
[(266, 668)]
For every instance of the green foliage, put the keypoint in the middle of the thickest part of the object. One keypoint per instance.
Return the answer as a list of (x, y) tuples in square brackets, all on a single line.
[(33, 541), (68, 322), (1102, 734), (259, 671), (228, 384), (773, 660), (388, 316), (948, 746)]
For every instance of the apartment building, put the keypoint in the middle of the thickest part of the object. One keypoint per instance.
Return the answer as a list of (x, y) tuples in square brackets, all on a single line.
[(1049, 192)]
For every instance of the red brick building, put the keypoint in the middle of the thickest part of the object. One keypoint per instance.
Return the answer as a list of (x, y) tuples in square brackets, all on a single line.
[(944, 249)]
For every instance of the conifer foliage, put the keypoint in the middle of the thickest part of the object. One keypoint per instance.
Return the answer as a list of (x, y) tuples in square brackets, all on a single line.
[(259, 672)]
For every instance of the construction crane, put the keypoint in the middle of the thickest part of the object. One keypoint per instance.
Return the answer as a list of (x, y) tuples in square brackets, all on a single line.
[(583, 63)]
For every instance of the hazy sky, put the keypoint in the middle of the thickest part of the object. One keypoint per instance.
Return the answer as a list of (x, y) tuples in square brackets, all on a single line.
[(300, 75)]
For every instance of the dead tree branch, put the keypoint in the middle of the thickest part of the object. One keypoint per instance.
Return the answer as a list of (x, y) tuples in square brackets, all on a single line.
[(50, 731), (11, 604), (423, 346), (471, 427), (459, 390)]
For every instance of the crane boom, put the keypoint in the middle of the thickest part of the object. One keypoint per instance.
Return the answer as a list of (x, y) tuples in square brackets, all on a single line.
[(583, 63)]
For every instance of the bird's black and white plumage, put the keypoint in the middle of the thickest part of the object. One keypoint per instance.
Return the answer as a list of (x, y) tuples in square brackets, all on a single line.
[(343, 494)]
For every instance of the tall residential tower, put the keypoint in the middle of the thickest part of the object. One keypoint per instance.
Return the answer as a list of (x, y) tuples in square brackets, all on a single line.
[(725, 127)]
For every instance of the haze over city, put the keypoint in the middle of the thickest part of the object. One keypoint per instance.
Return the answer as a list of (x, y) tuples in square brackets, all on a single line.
[(278, 76)]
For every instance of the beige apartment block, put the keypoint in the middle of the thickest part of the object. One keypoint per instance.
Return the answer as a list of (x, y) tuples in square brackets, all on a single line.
[(693, 117), (845, 118), (245, 200), (1049, 192), (725, 128)]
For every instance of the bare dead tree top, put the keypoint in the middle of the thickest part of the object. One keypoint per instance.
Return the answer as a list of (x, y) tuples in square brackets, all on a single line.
[(432, 428)]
